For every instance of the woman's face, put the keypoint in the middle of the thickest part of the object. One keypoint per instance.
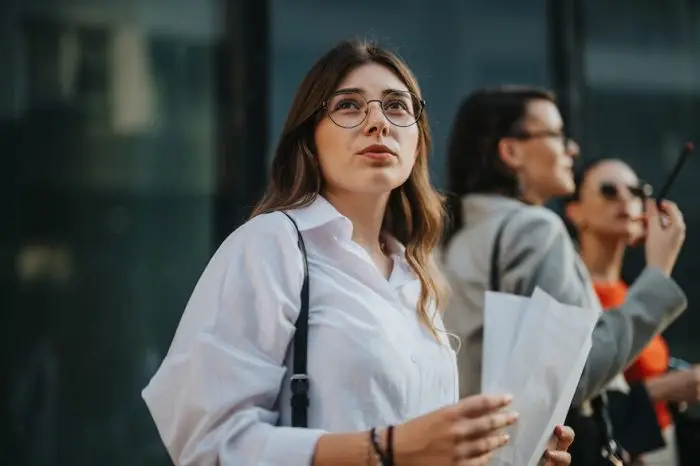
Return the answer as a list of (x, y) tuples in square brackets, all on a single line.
[(610, 202), (374, 156), (542, 155)]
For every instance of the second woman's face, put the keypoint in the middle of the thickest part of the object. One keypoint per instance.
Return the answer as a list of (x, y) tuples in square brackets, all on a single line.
[(375, 156), (545, 155)]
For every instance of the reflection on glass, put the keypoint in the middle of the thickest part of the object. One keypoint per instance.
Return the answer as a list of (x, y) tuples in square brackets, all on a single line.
[(113, 170)]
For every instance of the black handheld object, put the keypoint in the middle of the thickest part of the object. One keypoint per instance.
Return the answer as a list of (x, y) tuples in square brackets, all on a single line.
[(663, 192)]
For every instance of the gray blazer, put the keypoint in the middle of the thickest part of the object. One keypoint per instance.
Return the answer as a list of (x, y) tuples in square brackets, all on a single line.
[(537, 251)]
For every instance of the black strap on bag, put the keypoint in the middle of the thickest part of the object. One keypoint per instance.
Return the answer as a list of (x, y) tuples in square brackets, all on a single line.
[(613, 454), (299, 381), (495, 272)]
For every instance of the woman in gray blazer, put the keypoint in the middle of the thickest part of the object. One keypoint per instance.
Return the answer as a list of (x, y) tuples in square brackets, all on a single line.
[(508, 155)]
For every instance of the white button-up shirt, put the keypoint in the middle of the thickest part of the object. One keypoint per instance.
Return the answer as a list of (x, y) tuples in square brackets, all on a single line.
[(221, 396)]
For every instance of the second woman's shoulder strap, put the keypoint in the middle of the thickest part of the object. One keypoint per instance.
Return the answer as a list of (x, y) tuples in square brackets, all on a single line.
[(495, 270)]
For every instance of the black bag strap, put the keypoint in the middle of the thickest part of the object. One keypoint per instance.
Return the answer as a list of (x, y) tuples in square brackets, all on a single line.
[(299, 382), (495, 272), (611, 450)]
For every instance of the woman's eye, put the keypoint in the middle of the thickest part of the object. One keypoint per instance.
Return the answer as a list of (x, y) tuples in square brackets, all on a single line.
[(347, 104), (396, 105)]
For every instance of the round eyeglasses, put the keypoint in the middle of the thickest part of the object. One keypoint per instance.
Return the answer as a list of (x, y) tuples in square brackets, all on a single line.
[(349, 109), (547, 133)]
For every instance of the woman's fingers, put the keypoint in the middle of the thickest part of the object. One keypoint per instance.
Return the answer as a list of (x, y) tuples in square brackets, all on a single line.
[(668, 214), (475, 448), (557, 458), (479, 429), (478, 405), (565, 436), (673, 215), (485, 425)]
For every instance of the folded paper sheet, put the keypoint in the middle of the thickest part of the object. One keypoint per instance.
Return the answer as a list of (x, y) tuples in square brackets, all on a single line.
[(535, 349), (503, 314)]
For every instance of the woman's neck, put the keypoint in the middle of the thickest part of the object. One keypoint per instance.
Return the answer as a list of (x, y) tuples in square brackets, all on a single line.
[(530, 196), (602, 256), (533, 200), (366, 212)]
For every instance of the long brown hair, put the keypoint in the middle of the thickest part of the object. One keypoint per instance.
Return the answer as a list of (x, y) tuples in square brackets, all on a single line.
[(414, 212)]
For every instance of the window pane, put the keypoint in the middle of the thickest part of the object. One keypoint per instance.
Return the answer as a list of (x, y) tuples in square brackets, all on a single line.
[(109, 137)]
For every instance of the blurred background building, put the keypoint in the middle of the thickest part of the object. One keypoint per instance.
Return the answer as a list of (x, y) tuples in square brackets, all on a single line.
[(135, 135)]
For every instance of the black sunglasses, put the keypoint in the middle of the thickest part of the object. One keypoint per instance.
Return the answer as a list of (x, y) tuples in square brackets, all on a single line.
[(611, 191)]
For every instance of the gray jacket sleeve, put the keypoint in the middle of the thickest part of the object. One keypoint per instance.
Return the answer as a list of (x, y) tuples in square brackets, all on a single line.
[(538, 252)]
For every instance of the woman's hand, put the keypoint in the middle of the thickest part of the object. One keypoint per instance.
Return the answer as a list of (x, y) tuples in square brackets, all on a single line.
[(688, 385), (665, 235), (464, 434), (676, 387), (556, 454)]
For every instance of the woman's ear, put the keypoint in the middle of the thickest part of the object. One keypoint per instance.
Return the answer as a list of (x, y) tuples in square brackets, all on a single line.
[(509, 153)]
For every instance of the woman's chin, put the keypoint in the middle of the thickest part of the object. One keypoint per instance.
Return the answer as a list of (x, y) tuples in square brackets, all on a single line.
[(633, 236), (564, 189)]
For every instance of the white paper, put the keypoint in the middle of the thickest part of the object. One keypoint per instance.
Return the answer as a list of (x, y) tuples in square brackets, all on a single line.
[(547, 352), (501, 323)]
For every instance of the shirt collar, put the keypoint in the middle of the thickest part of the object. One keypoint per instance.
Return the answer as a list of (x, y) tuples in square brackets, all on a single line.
[(394, 246), (319, 213), (402, 272)]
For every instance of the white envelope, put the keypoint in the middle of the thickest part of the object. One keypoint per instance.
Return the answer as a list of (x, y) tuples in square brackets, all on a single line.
[(552, 343)]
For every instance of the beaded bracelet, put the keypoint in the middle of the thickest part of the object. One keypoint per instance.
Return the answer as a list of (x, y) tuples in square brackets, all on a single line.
[(385, 458), (374, 440), (390, 446)]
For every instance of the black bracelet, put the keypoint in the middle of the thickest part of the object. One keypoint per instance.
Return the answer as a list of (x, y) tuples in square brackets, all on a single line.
[(374, 439), (390, 446)]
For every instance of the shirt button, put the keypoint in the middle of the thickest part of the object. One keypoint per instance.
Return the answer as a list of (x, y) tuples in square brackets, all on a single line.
[(414, 358)]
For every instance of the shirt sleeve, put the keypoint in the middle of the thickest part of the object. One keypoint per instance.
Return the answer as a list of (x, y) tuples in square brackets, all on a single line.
[(214, 397)]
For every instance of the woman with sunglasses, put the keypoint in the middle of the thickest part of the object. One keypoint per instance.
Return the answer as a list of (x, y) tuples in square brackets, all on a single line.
[(350, 197), (508, 156), (606, 211)]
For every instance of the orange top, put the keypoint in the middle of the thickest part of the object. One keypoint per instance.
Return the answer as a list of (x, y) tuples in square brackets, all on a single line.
[(652, 361)]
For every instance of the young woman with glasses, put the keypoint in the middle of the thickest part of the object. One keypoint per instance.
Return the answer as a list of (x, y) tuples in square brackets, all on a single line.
[(508, 156), (351, 171), (606, 211)]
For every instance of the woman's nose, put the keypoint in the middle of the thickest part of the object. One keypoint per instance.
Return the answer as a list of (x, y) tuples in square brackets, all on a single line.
[(572, 148), (626, 196), (376, 120)]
